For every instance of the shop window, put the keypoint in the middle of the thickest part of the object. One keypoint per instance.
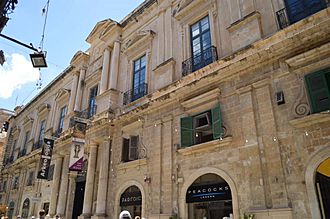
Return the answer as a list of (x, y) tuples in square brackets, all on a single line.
[(130, 148), (322, 184), (318, 89), (131, 200), (209, 197), (201, 128)]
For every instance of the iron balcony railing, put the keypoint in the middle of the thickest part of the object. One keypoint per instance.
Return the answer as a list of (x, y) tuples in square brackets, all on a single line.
[(136, 93), (282, 18), (199, 61)]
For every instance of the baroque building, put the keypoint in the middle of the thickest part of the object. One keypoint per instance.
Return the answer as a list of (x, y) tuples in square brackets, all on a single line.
[(184, 109)]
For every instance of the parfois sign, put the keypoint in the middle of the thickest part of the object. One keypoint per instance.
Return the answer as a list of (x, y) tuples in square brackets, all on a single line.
[(45, 159)]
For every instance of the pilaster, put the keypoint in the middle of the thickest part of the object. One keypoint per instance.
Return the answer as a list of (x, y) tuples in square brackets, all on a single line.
[(55, 186), (114, 68), (105, 71), (62, 199), (89, 189)]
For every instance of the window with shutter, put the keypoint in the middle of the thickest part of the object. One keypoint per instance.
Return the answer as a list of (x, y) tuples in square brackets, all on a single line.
[(201, 128), (318, 88), (125, 151), (186, 132), (217, 122), (133, 149)]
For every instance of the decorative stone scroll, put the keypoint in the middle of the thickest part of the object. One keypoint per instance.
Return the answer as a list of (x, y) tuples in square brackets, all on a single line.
[(301, 107)]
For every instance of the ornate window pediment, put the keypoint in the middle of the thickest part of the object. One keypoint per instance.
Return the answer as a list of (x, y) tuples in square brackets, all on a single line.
[(43, 108), (138, 41), (61, 93)]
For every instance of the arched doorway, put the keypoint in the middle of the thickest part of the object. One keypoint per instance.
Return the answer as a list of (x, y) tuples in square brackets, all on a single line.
[(131, 200), (26, 208), (209, 197), (11, 209), (322, 185)]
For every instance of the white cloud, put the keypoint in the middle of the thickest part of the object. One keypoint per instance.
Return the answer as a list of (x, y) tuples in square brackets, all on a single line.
[(16, 72)]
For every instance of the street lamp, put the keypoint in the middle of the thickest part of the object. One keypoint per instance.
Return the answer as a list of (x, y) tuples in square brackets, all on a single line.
[(38, 58)]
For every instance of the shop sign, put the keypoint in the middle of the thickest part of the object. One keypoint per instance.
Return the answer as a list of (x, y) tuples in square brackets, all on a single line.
[(77, 155), (204, 193), (45, 158), (131, 198)]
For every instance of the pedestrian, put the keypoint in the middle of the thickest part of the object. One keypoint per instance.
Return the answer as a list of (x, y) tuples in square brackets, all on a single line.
[(125, 215), (42, 214)]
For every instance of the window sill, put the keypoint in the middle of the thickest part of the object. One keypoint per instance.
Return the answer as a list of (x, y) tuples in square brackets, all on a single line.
[(132, 164), (310, 120), (204, 147)]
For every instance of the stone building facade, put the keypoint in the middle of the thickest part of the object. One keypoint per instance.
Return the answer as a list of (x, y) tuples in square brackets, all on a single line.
[(186, 109)]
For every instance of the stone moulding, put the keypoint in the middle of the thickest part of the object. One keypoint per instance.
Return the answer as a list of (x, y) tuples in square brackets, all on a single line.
[(310, 120), (205, 147), (132, 164)]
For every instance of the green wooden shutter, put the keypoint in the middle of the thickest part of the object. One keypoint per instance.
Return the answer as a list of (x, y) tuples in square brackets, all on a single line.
[(125, 151), (319, 90), (186, 131), (217, 122)]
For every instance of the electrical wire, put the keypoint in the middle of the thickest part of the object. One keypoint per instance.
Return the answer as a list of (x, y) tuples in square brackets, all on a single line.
[(44, 10)]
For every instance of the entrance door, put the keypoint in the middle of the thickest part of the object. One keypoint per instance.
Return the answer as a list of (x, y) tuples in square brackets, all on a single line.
[(322, 184), (209, 197), (131, 200), (78, 199)]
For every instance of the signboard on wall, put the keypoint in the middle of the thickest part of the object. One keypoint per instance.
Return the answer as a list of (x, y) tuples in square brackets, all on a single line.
[(206, 193), (131, 198), (45, 158), (77, 155)]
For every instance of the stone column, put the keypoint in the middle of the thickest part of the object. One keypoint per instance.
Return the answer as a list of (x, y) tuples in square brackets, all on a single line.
[(114, 68), (88, 197), (102, 188), (105, 71), (71, 194), (56, 186), (73, 92), (77, 105), (63, 187)]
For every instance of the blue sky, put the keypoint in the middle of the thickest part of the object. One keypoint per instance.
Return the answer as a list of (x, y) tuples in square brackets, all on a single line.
[(68, 25)]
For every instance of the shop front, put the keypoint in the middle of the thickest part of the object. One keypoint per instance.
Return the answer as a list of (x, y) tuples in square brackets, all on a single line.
[(209, 197), (131, 200)]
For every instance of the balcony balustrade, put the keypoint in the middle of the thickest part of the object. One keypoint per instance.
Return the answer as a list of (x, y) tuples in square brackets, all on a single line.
[(199, 60)]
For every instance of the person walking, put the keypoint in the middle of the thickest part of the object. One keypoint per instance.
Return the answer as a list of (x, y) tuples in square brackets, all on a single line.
[(125, 215), (42, 214)]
